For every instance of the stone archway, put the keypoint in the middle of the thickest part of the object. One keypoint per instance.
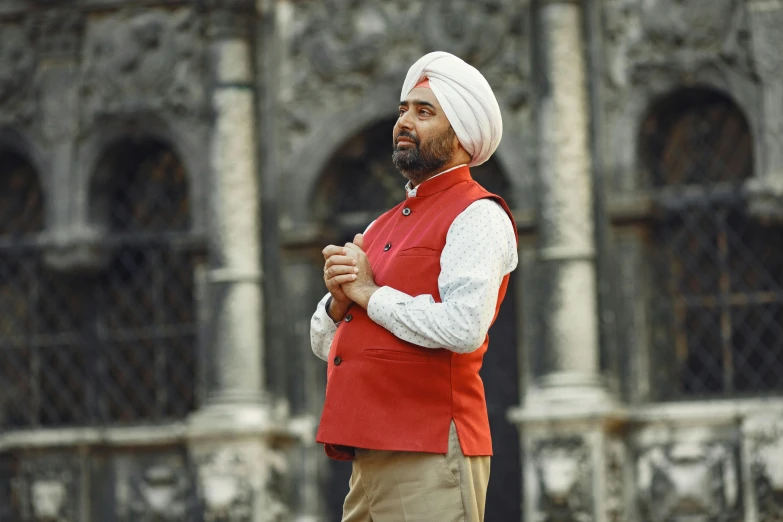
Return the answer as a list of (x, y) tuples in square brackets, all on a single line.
[(718, 292)]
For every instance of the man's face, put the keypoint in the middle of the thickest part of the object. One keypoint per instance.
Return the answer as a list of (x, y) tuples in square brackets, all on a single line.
[(423, 138)]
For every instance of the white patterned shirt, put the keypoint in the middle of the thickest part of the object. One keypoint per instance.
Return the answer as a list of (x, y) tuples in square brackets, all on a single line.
[(480, 250)]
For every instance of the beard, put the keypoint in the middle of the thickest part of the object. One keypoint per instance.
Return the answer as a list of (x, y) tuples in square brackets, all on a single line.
[(419, 162)]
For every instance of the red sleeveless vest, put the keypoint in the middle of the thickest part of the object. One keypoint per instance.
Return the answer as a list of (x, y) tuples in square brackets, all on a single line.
[(382, 392)]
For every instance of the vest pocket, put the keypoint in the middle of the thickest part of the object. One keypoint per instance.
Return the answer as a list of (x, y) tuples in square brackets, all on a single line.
[(418, 251), (395, 355), (414, 272)]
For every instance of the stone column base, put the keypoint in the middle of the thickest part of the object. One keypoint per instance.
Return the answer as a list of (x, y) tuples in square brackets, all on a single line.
[(237, 451), (566, 392), (574, 465)]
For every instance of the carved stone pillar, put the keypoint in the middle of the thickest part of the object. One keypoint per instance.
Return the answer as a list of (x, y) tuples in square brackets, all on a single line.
[(766, 188), (574, 466), (236, 345), (762, 455), (233, 437), (568, 362), (58, 35)]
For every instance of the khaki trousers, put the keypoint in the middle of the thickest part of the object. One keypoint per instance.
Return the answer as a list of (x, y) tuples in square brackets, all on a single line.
[(401, 486)]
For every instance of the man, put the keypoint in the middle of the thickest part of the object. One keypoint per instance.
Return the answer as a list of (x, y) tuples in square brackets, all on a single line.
[(404, 325)]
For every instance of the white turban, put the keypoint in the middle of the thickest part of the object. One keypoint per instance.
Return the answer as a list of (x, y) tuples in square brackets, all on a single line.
[(466, 98)]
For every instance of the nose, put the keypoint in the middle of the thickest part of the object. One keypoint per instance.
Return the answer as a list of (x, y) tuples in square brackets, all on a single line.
[(405, 121)]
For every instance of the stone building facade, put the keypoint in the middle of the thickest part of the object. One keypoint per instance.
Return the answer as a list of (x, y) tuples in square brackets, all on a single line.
[(170, 171)]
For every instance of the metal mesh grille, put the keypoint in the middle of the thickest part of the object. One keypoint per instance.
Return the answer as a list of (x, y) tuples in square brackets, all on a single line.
[(114, 345), (718, 273)]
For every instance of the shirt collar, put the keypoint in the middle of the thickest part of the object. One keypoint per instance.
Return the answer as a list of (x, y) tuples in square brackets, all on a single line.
[(411, 190)]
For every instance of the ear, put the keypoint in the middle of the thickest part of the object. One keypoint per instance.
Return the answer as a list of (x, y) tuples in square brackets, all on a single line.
[(461, 153), (458, 148)]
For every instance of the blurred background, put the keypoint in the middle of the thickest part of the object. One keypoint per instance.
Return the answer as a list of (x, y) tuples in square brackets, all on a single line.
[(170, 171)]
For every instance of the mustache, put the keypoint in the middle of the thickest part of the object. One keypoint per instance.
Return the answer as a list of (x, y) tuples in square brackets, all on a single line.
[(408, 135)]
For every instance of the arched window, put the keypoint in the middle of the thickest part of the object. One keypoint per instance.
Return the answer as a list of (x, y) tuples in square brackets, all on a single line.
[(718, 274), (114, 343), (22, 332), (145, 325)]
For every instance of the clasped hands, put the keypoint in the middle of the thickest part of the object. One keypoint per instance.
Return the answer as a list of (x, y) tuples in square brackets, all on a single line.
[(348, 276)]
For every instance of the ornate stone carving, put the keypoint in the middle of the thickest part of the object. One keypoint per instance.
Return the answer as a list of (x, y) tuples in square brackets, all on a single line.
[(338, 51), (230, 18), (352, 40), (764, 440), (236, 485), (48, 499), (562, 480), (660, 38), (653, 46), (688, 479), (154, 493), (58, 33), (615, 481), (49, 489), (683, 33), (150, 60), (765, 198), (766, 18), (472, 30), (226, 489), (17, 70)]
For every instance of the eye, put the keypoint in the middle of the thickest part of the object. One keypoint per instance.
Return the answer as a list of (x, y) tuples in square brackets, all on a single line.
[(402, 111), (424, 112)]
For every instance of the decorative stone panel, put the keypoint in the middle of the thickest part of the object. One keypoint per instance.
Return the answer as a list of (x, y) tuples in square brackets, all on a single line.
[(688, 480), (654, 46), (150, 60), (152, 488), (17, 70), (562, 482), (237, 483), (646, 39), (58, 34), (765, 193), (766, 17), (765, 199), (49, 488), (337, 52), (616, 481), (763, 441)]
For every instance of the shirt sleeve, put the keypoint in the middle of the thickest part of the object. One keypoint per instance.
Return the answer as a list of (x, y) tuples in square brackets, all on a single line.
[(322, 328), (480, 250)]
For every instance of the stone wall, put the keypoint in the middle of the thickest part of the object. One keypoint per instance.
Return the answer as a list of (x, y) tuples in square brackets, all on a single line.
[(256, 99)]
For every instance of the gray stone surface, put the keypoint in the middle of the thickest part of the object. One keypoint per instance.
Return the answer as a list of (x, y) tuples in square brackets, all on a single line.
[(256, 99)]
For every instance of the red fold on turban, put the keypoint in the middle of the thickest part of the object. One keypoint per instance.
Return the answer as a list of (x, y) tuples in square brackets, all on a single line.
[(425, 83)]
